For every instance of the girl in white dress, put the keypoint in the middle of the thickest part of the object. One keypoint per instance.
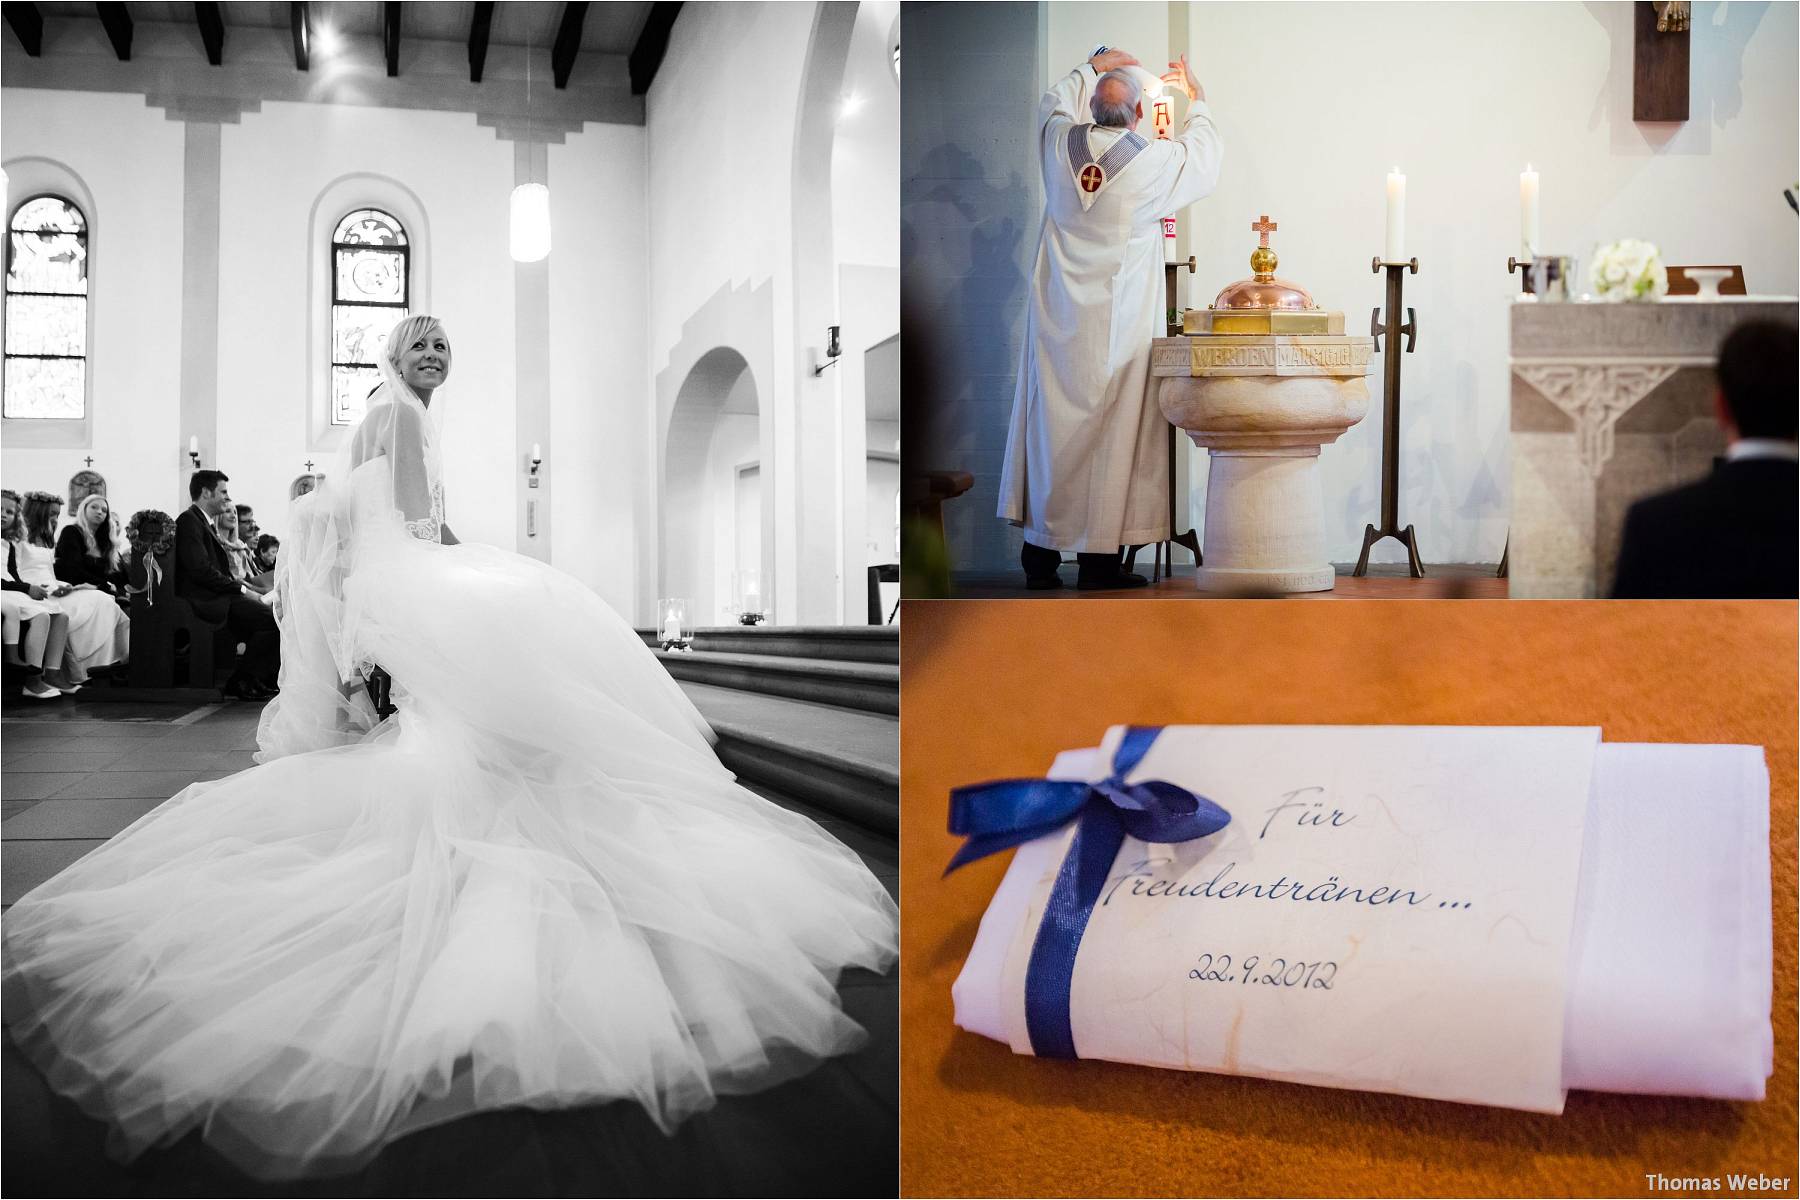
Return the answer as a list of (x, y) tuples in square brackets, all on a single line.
[(99, 630), (535, 885), (35, 630)]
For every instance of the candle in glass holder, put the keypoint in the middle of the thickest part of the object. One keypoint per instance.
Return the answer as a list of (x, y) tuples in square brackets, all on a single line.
[(1396, 216), (1528, 211)]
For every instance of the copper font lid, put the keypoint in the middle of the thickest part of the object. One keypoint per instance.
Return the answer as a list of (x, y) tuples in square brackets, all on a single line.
[(1263, 290)]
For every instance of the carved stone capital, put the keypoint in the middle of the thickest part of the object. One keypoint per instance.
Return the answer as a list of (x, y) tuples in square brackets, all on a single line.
[(1595, 394)]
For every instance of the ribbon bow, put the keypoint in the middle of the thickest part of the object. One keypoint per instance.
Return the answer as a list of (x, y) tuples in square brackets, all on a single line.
[(997, 816)]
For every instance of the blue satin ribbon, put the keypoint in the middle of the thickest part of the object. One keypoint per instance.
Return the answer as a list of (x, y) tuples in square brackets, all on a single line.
[(1008, 812)]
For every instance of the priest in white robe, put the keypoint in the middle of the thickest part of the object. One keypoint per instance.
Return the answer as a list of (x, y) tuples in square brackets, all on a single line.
[(1087, 465)]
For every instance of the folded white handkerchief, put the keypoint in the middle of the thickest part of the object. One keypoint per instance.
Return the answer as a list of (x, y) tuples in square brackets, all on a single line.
[(1664, 974)]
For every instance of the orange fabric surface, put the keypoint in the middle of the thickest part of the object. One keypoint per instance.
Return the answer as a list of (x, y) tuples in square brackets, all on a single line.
[(994, 689)]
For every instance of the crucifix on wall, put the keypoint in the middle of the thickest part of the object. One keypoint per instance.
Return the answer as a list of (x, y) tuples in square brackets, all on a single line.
[(1659, 70)]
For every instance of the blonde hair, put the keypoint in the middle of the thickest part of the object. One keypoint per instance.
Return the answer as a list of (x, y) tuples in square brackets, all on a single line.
[(110, 552), (406, 333)]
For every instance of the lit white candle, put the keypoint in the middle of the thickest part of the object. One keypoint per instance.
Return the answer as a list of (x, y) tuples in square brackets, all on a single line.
[(1162, 114), (672, 629), (194, 444), (1396, 216), (1169, 232), (537, 452), (1528, 211)]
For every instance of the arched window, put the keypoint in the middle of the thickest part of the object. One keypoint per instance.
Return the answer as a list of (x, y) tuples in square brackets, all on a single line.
[(46, 311), (370, 272)]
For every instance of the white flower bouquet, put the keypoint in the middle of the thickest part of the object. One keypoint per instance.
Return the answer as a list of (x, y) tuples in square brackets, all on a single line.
[(1629, 270)]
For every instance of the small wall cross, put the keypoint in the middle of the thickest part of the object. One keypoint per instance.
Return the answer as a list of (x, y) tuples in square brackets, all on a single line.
[(309, 466), (89, 460), (1264, 227)]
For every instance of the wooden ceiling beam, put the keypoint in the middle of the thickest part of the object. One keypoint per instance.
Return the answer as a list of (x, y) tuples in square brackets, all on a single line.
[(211, 19), (301, 23), (652, 43), (117, 23), (568, 42), (478, 39), (390, 36), (27, 25)]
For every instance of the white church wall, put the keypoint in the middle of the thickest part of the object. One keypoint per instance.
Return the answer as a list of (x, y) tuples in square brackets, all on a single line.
[(1484, 89), (719, 124), (735, 444), (740, 198), (602, 402), (865, 169), (273, 166), (881, 484), (865, 223), (130, 159), (969, 224)]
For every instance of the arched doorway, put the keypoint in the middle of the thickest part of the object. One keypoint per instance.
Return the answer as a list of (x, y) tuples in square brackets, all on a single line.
[(711, 544)]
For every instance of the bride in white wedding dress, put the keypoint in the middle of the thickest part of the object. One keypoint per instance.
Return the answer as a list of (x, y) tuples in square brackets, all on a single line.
[(533, 886)]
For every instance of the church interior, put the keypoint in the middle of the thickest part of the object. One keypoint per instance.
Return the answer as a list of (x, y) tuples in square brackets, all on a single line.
[(662, 239), (1416, 169)]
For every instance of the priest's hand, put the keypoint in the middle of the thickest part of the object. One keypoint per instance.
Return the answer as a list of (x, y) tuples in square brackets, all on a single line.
[(1178, 75), (1111, 60)]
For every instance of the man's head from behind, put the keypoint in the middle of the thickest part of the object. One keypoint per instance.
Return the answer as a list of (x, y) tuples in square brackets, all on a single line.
[(1117, 102), (1758, 393)]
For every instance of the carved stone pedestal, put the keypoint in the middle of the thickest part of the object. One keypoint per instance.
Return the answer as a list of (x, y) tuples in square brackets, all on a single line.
[(1263, 405), (1610, 403)]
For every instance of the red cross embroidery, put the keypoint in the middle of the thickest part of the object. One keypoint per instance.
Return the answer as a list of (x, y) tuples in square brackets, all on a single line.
[(1091, 177)]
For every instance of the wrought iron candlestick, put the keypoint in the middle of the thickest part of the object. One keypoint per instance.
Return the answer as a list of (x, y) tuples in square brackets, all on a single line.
[(1523, 267), (1165, 551), (1172, 310), (1390, 419)]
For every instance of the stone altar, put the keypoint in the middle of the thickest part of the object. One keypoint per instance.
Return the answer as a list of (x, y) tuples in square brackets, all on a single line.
[(1610, 403)]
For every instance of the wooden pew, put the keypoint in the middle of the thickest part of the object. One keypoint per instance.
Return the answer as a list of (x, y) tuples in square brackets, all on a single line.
[(163, 626)]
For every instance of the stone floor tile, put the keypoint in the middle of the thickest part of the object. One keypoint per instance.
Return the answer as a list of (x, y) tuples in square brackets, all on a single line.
[(63, 819), (25, 864), (36, 785), (107, 785)]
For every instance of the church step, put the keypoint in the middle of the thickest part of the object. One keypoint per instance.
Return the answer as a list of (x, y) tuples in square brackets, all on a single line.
[(842, 643), (871, 687), (841, 760)]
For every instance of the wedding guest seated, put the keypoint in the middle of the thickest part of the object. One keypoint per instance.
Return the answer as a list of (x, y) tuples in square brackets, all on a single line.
[(263, 562), (239, 555), (203, 578), (36, 631), (99, 630), (1735, 533), (247, 529), (89, 550)]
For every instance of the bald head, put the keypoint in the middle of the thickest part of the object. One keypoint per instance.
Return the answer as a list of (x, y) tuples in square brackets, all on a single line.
[(1115, 102)]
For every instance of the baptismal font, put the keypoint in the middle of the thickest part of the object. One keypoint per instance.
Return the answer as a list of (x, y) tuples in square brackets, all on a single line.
[(1262, 379)]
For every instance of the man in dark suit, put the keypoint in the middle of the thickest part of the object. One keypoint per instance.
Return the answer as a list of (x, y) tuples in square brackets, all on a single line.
[(1734, 534), (203, 579)]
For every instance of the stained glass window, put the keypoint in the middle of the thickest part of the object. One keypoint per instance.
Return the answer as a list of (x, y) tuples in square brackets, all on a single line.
[(46, 311), (369, 296)]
